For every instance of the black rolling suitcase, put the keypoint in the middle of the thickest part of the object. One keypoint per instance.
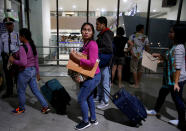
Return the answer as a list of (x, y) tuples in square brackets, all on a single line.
[(56, 95), (129, 105)]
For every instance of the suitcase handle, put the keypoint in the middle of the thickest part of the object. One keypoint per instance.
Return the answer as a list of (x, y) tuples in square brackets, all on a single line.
[(108, 94)]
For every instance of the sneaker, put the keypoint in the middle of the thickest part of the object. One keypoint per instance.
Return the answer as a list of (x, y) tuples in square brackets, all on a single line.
[(102, 105), (45, 110), (93, 122), (151, 112), (19, 110), (174, 122), (82, 125), (96, 100)]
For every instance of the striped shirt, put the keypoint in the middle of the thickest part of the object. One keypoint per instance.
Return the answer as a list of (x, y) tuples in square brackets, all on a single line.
[(180, 61)]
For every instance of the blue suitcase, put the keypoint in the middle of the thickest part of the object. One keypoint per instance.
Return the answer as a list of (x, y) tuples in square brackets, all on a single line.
[(129, 105), (56, 95)]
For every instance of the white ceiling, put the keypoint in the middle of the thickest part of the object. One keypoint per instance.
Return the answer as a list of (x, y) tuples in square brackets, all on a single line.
[(106, 5)]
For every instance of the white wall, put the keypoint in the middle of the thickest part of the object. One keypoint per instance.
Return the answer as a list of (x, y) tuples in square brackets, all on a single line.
[(40, 23), (183, 16), (36, 21), (2, 4), (46, 24), (1, 10)]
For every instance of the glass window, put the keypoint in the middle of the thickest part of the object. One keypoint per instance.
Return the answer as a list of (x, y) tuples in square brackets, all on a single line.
[(103, 8), (163, 14), (72, 14), (132, 13)]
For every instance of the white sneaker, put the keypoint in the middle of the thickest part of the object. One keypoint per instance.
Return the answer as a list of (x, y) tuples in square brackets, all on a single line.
[(174, 122), (95, 122), (102, 105), (151, 112), (96, 100)]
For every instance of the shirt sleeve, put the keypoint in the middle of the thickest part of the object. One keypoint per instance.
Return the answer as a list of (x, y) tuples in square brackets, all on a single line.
[(179, 56), (22, 57), (92, 56)]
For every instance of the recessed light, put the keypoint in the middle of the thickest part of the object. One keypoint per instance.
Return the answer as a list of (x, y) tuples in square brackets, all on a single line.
[(103, 10), (74, 6)]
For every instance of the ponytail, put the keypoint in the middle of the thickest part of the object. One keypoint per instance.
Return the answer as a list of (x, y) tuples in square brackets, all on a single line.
[(27, 34), (31, 42)]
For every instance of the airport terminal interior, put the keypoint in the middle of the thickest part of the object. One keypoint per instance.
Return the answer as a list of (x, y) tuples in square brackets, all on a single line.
[(56, 30)]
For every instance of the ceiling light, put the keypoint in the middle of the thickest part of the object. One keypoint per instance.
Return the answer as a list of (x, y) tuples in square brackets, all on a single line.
[(97, 9), (154, 10), (60, 8), (74, 6), (102, 10), (125, 0)]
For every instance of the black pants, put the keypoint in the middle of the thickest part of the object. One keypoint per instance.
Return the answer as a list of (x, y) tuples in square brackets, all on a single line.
[(9, 78), (177, 98)]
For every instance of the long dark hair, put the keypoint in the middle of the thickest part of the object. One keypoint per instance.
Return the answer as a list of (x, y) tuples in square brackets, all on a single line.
[(92, 27), (27, 34), (179, 33)]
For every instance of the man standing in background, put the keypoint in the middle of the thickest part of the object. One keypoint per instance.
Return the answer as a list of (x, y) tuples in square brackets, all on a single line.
[(104, 41), (141, 43)]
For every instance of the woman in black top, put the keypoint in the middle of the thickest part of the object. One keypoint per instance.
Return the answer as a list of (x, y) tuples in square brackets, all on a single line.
[(119, 55)]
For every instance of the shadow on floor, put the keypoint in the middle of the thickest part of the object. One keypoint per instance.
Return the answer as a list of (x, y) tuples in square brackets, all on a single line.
[(149, 101), (116, 115)]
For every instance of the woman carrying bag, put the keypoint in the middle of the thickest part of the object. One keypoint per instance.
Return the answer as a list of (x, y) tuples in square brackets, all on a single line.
[(85, 96)]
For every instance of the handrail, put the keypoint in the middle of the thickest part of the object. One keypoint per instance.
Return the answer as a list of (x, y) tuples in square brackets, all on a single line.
[(159, 48), (57, 47)]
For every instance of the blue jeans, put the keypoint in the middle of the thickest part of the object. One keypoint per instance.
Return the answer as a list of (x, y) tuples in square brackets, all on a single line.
[(85, 97), (28, 76), (105, 83), (177, 98)]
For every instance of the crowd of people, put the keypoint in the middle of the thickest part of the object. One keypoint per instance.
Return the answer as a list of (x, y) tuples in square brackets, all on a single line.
[(19, 49)]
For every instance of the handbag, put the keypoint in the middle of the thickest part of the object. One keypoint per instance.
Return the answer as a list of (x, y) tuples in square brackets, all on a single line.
[(13, 68), (76, 77), (79, 73)]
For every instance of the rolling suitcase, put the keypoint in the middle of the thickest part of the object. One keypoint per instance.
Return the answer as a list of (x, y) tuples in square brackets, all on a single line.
[(129, 105), (56, 95)]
